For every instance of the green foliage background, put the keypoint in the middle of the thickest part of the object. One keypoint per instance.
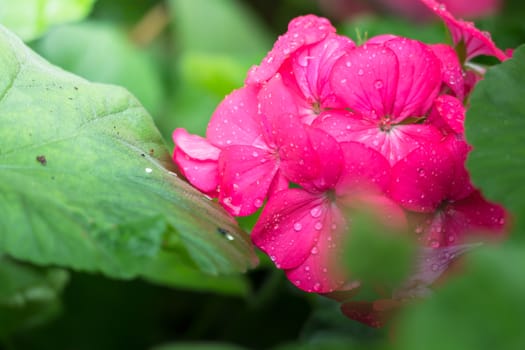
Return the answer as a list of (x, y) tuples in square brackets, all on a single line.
[(153, 289)]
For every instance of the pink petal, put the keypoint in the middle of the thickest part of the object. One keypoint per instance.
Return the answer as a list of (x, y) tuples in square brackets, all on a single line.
[(196, 147), (322, 271), (448, 115), (470, 219), (236, 120), (286, 229), (302, 31), (476, 42), (420, 180), (366, 80), (197, 160), (381, 39), (202, 174), (419, 78), (276, 99), (452, 73), (365, 170), (309, 157), (246, 175)]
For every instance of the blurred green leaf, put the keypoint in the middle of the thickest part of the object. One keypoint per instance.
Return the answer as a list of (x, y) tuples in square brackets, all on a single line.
[(29, 295), (86, 181), (103, 53), (31, 18), (482, 309), (495, 126), (376, 254)]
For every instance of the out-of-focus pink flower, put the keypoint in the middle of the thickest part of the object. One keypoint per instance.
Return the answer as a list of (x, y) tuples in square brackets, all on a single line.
[(475, 41)]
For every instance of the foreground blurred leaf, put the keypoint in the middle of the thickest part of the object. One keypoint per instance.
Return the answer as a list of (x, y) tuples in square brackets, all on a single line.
[(31, 18), (495, 126), (86, 181), (483, 308), (29, 295), (78, 47)]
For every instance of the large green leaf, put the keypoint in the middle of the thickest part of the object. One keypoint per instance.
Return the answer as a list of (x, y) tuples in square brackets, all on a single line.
[(31, 18), (86, 181), (495, 126)]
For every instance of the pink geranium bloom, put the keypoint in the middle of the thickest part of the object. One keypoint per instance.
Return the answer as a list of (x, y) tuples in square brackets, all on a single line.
[(301, 229), (388, 88), (476, 41), (451, 70), (302, 84), (238, 160)]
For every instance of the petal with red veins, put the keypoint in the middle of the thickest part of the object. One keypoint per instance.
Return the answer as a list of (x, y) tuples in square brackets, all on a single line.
[(236, 120), (476, 41), (286, 230), (451, 71), (246, 175), (302, 31), (419, 78), (366, 79), (322, 272)]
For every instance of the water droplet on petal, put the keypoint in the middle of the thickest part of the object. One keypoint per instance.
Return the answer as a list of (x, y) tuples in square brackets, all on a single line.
[(434, 267), (318, 225), (258, 203), (378, 84), (317, 287), (297, 226), (314, 250), (316, 212), (360, 72)]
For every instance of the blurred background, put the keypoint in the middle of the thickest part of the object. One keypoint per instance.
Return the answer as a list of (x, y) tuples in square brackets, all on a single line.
[(180, 58)]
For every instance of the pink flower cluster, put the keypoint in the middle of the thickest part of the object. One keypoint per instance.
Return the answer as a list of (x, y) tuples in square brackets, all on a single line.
[(323, 126)]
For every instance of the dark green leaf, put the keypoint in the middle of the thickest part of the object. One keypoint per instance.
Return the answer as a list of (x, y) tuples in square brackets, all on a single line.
[(29, 295)]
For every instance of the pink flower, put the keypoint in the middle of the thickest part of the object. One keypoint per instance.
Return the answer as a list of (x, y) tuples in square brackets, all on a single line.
[(474, 40), (388, 87), (301, 228)]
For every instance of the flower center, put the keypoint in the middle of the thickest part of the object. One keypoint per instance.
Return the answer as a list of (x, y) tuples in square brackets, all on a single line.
[(385, 124), (316, 107)]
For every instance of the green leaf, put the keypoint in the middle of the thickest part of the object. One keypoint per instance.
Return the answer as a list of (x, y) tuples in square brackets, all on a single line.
[(495, 126), (29, 295), (77, 48), (86, 181), (31, 18), (483, 308)]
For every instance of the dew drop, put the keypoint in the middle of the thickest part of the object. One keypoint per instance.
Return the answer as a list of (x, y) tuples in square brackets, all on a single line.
[(434, 267), (378, 84), (434, 243), (318, 225), (316, 212), (148, 170), (360, 72), (255, 154), (317, 287), (307, 268), (258, 203), (297, 226), (229, 237), (349, 64), (314, 250)]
